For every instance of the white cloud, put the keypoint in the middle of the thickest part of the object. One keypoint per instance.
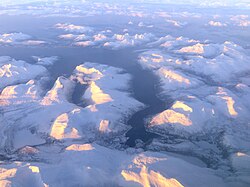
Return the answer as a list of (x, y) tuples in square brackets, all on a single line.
[(100, 37), (19, 39), (84, 43), (74, 37), (45, 61), (13, 37), (217, 24), (34, 42), (127, 40), (104, 39), (73, 28), (241, 20)]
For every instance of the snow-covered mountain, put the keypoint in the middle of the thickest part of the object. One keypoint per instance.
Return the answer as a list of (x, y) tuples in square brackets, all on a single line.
[(124, 93)]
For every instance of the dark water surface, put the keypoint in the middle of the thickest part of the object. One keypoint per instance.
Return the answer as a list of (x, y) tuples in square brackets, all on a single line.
[(143, 86)]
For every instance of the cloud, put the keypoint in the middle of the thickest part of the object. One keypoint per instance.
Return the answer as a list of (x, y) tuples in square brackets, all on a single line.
[(241, 20), (99, 37), (127, 40), (8, 38), (84, 43), (45, 61), (73, 28), (19, 39), (176, 23), (217, 24), (34, 42), (74, 37), (105, 39)]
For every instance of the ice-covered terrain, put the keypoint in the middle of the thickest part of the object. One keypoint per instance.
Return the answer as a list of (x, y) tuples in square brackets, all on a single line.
[(124, 93), (94, 165), (42, 127), (108, 104), (16, 71), (211, 111)]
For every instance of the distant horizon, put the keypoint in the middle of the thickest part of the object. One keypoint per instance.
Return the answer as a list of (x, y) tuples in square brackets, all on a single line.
[(244, 3)]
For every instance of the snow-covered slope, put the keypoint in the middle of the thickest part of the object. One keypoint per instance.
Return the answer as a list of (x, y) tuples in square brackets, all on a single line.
[(42, 131), (94, 165), (205, 87), (211, 109), (16, 71), (39, 117)]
